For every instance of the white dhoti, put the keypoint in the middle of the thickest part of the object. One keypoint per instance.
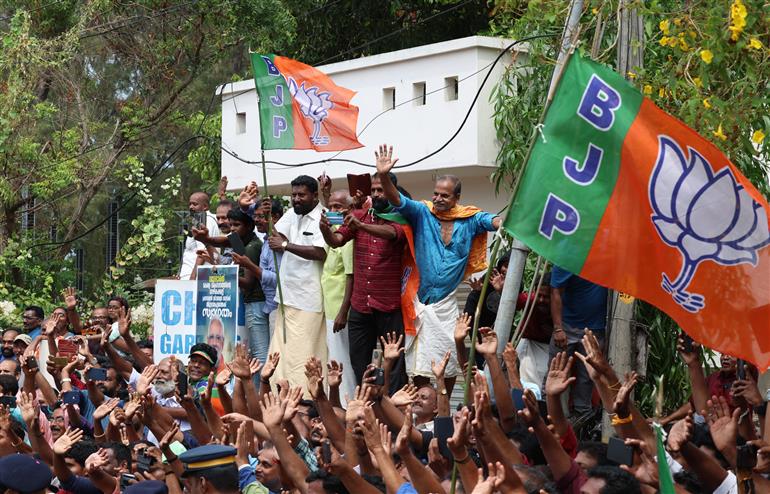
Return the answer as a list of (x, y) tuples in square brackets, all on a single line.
[(339, 350), (533, 361), (435, 328), (305, 337)]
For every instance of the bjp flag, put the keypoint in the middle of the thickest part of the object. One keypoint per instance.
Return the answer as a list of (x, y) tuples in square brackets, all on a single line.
[(627, 196), (301, 108)]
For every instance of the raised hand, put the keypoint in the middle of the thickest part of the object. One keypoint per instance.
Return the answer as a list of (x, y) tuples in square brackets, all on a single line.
[(462, 327), (67, 440), (392, 346), (475, 283), (530, 415), (384, 157), (334, 373), (314, 375), (402, 440), (723, 426), (405, 396), (273, 409), (205, 396), (497, 281), (222, 188), (148, 376), (29, 408), (248, 196), (240, 365), (493, 482), (169, 437), (200, 234), (124, 321), (269, 368), (647, 471), (622, 406), (371, 430), (439, 368), (293, 398), (748, 390), (689, 357), (70, 297), (594, 358), (487, 346), (458, 443), (97, 461), (355, 406), (510, 356), (680, 433)]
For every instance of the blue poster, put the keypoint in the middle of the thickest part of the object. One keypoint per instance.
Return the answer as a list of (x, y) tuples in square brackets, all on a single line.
[(174, 319), (216, 309)]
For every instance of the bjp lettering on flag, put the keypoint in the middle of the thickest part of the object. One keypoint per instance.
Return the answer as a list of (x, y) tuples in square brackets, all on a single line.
[(301, 108), (629, 197)]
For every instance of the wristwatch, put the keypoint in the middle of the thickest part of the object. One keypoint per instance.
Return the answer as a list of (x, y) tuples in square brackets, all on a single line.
[(284, 244)]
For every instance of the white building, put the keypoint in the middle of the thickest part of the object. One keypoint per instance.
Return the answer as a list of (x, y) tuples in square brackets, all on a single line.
[(414, 99)]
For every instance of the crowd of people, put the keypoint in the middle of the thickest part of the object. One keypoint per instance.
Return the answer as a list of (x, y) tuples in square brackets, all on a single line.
[(356, 397)]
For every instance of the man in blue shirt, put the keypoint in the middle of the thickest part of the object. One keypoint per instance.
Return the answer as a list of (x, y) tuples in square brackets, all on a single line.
[(576, 305), (446, 237)]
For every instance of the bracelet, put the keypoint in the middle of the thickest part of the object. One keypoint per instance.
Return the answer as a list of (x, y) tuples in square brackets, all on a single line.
[(622, 421), (96, 436), (555, 330), (615, 386), (464, 460), (65, 380)]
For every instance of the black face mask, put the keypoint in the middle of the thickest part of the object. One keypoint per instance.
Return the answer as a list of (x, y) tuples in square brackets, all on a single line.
[(380, 204)]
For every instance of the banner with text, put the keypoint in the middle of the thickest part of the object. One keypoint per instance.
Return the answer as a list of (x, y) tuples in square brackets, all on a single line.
[(217, 309), (174, 321)]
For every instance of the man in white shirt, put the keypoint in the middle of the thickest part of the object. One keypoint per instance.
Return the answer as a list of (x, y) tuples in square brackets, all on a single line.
[(298, 236), (198, 203)]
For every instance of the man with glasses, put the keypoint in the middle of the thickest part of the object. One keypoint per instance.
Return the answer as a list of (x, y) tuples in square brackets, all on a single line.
[(32, 318)]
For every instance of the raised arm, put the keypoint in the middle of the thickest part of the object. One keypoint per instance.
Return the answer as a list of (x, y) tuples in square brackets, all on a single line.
[(272, 413), (70, 302), (487, 347), (385, 163)]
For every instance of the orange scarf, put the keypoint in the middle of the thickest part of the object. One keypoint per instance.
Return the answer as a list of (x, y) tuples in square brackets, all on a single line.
[(477, 258)]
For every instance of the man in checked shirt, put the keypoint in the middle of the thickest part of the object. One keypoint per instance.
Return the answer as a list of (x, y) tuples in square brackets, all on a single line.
[(375, 306)]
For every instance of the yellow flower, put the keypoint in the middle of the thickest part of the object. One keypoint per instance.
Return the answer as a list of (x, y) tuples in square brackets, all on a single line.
[(757, 137), (718, 133), (664, 26), (697, 82), (707, 103), (672, 42), (663, 41), (755, 44), (706, 56), (683, 44), (647, 90), (678, 21), (661, 92), (594, 11), (631, 75), (737, 19)]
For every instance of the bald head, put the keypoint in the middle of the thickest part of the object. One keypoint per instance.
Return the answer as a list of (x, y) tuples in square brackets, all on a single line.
[(199, 202)]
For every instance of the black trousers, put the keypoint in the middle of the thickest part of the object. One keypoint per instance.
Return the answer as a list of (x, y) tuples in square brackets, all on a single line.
[(364, 331)]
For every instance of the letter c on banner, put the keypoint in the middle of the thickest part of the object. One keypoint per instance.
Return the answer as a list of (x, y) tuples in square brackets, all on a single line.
[(170, 300)]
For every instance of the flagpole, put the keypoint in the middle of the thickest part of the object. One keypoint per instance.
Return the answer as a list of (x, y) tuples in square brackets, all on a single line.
[(275, 256)]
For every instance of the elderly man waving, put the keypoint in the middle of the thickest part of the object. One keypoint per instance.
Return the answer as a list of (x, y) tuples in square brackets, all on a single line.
[(449, 244)]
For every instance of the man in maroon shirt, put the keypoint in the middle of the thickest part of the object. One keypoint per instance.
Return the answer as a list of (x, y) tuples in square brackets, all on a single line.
[(376, 301)]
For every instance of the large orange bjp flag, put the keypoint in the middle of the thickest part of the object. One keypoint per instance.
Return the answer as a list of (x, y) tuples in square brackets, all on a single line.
[(629, 197)]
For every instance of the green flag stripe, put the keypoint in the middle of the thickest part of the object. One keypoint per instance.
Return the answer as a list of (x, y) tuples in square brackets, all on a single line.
[(664, 473), (574, 165), (275, 104)]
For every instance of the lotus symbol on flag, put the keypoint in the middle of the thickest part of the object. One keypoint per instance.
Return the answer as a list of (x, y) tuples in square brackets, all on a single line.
[(314, 105), (705, 215)]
